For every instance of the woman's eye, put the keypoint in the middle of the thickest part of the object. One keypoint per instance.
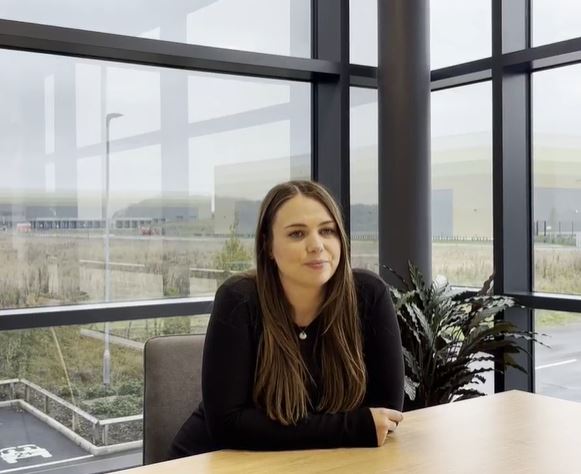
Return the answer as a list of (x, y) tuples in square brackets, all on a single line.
[(299, 234)]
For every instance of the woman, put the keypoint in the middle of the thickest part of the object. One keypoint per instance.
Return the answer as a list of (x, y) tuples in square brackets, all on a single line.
[(304, 352)]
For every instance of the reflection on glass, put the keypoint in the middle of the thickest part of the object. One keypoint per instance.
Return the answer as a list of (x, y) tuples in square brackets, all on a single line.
[(555, 20), (264, 26), (557, 180), (363, 177), (462, 184), (58, 373), (558, 367), (180, 169), (460, 31)]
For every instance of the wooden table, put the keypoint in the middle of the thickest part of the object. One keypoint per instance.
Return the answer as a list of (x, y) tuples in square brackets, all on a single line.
[(512, 432)]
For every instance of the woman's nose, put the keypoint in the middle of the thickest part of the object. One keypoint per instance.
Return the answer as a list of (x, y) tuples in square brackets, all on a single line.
[(315, 245)]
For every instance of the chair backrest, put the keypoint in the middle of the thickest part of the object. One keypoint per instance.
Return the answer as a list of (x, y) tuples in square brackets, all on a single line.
[(173, 389)]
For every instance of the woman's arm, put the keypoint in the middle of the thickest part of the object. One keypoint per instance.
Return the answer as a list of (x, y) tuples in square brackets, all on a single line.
[(383, 351), (227, 381)]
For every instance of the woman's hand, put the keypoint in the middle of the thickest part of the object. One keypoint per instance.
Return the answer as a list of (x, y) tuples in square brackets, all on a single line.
[(385, 420)]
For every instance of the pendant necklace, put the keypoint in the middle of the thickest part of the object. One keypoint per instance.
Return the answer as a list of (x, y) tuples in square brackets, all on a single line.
[(303, 330)]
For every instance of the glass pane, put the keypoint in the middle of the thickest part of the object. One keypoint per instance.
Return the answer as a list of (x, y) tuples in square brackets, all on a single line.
[(555, 20), (190, 157), (56, 375), (558, 367), (556, 124), (462, 184), (460, 31), (364, 185), (265, 26), (363, 32)]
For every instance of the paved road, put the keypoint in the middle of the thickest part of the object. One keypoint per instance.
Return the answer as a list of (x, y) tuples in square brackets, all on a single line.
[(558, 368), (558, 371)]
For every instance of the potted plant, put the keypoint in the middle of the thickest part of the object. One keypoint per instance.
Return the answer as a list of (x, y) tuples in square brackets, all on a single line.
[(447, 335)]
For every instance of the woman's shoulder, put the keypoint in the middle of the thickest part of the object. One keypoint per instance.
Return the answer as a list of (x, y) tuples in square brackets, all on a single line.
[(236, 301), (371, 291), (240, 287), (368, 282)]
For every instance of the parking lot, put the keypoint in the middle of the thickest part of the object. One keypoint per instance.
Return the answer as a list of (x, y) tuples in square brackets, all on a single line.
[(27, 442)]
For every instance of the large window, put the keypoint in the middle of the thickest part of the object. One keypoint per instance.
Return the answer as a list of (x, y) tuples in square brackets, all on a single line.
[(462, 184), (123, 182), (557, 180), (266, 26), (178, 161)]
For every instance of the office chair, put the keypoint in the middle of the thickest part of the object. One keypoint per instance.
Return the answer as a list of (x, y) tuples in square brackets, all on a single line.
[(173, 389)]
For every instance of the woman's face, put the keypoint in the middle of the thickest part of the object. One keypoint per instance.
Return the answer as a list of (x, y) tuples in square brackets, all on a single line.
[(305, 243)]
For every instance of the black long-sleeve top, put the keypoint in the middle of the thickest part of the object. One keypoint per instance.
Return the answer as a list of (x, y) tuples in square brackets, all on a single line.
[(228, 418)]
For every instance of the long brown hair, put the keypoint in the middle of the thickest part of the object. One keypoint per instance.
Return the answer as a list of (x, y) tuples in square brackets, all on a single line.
[(281, 376)]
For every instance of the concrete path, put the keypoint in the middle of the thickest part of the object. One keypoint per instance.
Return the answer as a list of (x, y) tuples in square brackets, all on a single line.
[(118, 341)]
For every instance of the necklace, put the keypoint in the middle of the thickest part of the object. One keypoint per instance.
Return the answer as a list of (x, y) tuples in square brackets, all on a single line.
[(303, 329)]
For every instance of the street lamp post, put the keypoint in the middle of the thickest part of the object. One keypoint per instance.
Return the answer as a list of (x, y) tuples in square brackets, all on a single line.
[(105, 213)]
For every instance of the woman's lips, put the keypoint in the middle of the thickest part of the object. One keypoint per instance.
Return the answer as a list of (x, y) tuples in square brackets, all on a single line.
[(316, 265)]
